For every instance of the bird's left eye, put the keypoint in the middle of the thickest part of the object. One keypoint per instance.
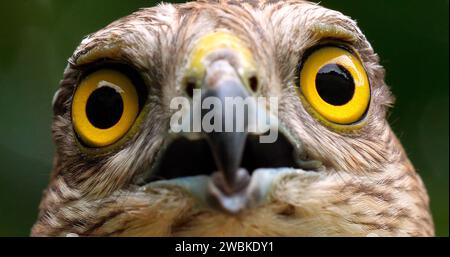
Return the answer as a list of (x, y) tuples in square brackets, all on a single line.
[(104, 107), (335, 84)]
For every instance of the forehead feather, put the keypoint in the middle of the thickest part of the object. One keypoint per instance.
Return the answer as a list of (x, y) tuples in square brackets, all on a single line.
[(287, 22)]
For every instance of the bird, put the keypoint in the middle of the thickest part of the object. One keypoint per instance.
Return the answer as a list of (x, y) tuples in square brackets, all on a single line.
[(335, 167)]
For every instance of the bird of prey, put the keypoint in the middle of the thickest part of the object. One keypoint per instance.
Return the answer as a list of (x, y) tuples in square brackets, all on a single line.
[(335, 168)]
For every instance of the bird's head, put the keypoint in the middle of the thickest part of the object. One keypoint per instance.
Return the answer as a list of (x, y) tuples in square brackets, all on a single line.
[(147, 145)]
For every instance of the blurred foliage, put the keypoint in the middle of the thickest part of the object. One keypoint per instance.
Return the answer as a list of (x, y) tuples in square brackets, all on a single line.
[(38, 36)]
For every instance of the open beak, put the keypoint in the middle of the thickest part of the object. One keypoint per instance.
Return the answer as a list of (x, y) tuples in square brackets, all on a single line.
[(226, 167)]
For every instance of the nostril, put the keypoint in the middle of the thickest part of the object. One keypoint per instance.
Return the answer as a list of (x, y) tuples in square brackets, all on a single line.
[(190, 86), (254, 83)]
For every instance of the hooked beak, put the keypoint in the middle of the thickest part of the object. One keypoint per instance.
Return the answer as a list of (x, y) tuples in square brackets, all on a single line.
[(222, 82)]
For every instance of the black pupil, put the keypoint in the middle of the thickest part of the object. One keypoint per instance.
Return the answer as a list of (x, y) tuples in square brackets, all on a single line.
[(335, 84), (104, 107)]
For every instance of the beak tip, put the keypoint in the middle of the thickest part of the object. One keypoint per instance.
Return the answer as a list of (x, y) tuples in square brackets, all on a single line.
[(231, 197), (234, 183)]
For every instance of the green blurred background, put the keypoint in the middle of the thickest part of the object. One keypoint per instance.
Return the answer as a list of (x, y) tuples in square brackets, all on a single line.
[(37, 37)]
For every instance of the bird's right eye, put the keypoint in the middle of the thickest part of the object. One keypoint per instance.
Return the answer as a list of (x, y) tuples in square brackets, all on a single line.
[(104, 107)]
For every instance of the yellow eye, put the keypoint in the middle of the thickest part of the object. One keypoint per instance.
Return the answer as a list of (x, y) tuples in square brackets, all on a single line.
[(104, 107), (335, 84)]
